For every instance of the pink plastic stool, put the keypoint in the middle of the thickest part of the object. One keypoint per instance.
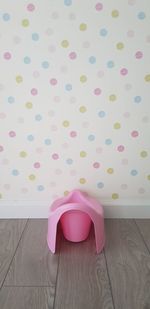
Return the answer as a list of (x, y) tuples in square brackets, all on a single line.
[(76, 212)]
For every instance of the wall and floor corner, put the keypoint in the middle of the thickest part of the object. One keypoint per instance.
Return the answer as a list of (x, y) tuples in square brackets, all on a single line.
[(74, 104)]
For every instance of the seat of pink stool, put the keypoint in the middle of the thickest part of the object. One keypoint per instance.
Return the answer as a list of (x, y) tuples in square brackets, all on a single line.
[(76, 211)]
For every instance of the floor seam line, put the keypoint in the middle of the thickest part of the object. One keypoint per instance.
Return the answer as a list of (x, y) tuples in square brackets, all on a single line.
[(139, 230), (110, 285), (14, 254)]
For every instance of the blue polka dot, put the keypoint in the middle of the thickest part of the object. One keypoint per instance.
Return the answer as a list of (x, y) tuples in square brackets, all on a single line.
[(68, 2), (45, 64), (30, 137), (15, 172), (69, 161), (91, 137), (101, 114), (134, 172), (47, 141), (40, 188), (27, 60), (68, 87), (92, 59), (108, 141), (110, 64), (137, 99), (11, 99), (38, 117), (35, 36), (6, 17), (141, 15), (103, 32), (100, 185)]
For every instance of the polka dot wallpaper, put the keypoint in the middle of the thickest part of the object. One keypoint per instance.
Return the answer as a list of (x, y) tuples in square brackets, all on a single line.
[(74, 98)]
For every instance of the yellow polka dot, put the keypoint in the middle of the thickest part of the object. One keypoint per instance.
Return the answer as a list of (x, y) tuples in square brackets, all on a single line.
[(82, 181), (65, 43), (148, 177), (83, 154), (32, 177), (19, 79), (83, 78), (115, 196), (143, 154), (112, 97), (115, 13), (82, 109), (1, 196), (147, 78), (23, 154), (83, 27), (29, 105), (66, 123), (66, 193), (25, 22), (110, 170), (117, 125), (120, 45)]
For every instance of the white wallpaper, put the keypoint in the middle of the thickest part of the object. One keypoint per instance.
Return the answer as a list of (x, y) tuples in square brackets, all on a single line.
[(74, 99)]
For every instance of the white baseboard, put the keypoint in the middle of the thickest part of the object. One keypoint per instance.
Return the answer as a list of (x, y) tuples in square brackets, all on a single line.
[(125, 208)]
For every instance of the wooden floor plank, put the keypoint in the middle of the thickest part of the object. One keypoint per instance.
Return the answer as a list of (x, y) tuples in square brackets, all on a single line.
[(128, 264), (10, 233), (144, 226), (82, 278), (33, 264), (26, 298)]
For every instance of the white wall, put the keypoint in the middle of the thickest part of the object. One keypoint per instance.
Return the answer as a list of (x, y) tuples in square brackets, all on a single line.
[(74, 104)]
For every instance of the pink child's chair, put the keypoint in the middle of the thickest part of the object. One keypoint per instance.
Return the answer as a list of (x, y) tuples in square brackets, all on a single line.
[(76, 212)]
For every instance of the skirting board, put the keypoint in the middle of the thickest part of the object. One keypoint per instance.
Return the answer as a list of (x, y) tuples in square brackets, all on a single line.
[(124, 208)]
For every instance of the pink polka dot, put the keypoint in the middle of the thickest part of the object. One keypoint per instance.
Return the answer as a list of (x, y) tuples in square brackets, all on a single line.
[(96, 164), (65, 145), (54, 128), (72, 55), (57, 99), (98, 6), (39, 150), (99, 150), (2, 116), (12, 133), (138, 55), (36, 74), (30, 7), (7, 56), (134, 133), (100, 74), (34, 91), (53, 81), (97, 91), (1, 148), (130, 33), (37, 164), (55, 156), (123, 71), (73, 173), (125, 161), (120, 148), (73, 133), (58, 171)]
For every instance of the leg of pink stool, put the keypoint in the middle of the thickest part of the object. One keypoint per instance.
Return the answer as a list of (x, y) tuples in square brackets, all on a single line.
[(99, 233), (51, 235)]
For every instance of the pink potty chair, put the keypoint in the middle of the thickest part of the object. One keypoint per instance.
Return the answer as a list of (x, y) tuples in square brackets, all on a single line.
[(76, 212)]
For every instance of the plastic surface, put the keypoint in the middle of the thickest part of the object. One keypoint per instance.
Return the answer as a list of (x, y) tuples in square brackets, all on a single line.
[(76, 211)]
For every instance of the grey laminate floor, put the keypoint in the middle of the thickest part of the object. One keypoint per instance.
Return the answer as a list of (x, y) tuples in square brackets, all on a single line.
[(75, 277)]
